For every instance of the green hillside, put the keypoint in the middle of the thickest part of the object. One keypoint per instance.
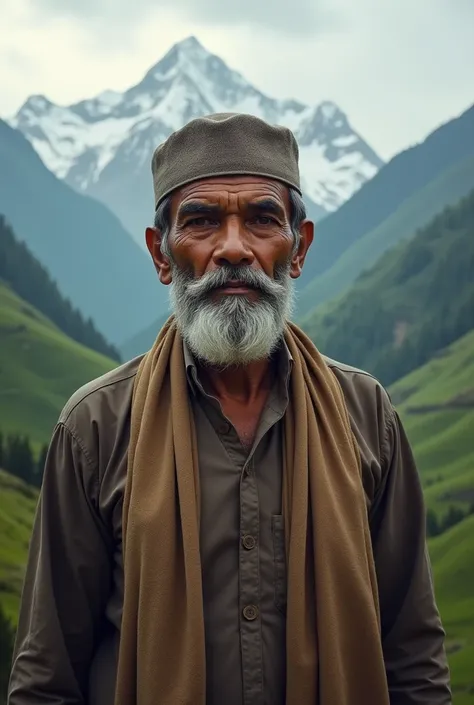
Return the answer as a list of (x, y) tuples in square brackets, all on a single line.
[(414, 213), (17, 509), (417, 299), (436, 403), (452, 555), (40, 368)]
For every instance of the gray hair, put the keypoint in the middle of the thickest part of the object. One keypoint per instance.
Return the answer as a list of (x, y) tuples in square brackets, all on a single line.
[(297, 216)]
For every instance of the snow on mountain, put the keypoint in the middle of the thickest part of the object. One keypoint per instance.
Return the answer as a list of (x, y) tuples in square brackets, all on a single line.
[(103, 146)]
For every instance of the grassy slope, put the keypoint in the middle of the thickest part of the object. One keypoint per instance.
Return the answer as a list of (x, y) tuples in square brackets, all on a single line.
[(452, 555), (17, 509), (442, 437), (40, 367), (414, 213), (436, 403)]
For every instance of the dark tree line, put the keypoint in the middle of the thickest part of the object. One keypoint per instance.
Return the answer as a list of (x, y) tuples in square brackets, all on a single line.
[(17, 458), (32, 282), (453, 516)]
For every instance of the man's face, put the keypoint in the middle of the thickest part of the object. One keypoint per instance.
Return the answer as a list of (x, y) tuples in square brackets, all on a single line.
[(232, 260)]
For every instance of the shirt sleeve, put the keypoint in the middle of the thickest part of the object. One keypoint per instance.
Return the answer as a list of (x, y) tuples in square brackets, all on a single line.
[(67, 582), (412, 633)]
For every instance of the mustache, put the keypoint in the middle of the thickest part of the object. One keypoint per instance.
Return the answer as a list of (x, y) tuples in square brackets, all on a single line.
[(248, 276)]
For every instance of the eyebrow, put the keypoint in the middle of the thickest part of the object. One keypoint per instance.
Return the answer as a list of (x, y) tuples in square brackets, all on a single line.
[(266, 205), (197, 208)]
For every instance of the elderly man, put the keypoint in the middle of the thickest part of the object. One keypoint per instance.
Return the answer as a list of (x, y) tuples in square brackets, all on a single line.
[(231, 519)]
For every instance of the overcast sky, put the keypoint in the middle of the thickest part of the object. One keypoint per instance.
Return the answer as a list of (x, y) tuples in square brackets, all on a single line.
[(398, 68)]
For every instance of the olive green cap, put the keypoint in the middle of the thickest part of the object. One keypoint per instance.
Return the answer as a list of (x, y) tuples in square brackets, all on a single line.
[(225, 144)]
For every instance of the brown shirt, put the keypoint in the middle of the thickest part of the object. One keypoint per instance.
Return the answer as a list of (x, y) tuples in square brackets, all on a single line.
[(69, 626)]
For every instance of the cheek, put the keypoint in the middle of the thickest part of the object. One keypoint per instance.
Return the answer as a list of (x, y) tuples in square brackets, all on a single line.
[(193, 257), (279, 252)]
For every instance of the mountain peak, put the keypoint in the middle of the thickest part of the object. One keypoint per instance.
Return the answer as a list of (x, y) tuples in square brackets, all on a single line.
[(191, 43), (191, 50), (187, 52), (91, 142), (328, 111), (37, 103)]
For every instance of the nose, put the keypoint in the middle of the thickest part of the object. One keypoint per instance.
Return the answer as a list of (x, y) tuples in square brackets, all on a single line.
[(232, 245)]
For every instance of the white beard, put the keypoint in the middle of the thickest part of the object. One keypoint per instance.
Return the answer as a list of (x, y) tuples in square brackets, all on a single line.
[(235, 330)]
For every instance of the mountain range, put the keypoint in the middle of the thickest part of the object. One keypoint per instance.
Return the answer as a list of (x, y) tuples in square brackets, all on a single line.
[(102, 146), (402, 177), (415, 212)]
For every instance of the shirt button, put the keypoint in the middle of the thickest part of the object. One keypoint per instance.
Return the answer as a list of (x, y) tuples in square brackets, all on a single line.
[(250, 612), (249, 542), (224, 429)]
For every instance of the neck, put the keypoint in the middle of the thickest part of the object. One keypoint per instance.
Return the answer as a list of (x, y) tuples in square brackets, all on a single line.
[(242, 384)]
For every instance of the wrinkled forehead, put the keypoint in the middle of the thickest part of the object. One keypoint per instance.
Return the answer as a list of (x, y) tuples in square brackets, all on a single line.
[(236, 192)]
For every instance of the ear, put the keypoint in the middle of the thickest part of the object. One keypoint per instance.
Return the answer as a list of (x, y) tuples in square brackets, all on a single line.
[(306, 238), (162, 263)]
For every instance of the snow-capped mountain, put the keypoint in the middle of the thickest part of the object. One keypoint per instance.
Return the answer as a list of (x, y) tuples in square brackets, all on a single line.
[(103, 146)]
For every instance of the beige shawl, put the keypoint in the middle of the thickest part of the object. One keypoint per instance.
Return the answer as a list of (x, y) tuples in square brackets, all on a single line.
[(334, 653)]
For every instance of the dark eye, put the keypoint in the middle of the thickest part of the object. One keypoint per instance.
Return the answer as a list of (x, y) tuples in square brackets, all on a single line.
[(264, 220), (201, 222)]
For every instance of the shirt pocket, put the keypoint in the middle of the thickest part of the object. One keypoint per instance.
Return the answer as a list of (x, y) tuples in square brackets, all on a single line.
[(279, 563)]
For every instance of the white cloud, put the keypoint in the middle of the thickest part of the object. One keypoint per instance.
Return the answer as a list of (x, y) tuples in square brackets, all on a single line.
[(280, 14), (398, 68)]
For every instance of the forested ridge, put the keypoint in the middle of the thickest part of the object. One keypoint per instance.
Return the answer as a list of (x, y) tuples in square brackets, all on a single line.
[(31, 281), (417, 299)]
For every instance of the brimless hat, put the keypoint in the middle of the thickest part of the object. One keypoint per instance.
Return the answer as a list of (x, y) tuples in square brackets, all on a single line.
[(225, 144)]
